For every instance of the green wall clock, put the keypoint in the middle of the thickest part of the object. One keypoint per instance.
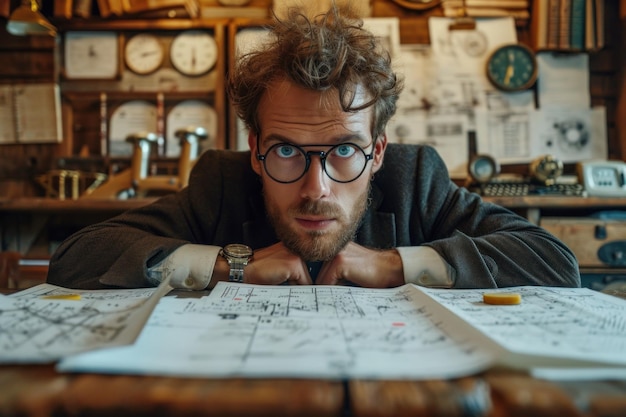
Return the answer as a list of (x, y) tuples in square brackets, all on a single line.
[(512, 67)]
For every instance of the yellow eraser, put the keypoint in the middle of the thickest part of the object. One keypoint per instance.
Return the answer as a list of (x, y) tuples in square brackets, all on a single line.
[(62, 297), (502, 298)]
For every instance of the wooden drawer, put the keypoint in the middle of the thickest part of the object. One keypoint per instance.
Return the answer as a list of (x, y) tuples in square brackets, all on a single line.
[(595, 242)]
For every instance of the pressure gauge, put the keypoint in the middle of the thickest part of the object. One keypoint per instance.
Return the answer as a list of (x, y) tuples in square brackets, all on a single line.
[(193, 52), (143, 53), (512, 67), (91, 55), (483, 168)]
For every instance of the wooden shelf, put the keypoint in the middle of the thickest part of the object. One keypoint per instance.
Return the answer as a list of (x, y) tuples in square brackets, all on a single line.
[(556, 202), (138, 24), (50, 205)]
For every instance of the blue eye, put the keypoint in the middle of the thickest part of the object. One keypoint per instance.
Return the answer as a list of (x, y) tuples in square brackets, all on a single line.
[(344, 151), (286, 151)]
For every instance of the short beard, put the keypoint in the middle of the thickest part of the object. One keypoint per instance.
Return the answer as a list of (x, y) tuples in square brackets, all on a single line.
[(318, 245)]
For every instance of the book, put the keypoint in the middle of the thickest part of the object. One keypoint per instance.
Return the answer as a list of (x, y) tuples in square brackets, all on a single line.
[(539, 24), (30, 113), (554, 13), (577, 23), (590, 25), (565, 16), (599, 23), (63, 9), (338, 332)]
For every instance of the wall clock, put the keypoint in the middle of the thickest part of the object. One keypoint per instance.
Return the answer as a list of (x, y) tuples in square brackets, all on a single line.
[(193, 52), (512, 67), (143, 53), (91, 55)]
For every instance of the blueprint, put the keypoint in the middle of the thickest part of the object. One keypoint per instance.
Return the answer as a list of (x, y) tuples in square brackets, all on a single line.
[(330, 332), (551, 326), (346, 332), (37, 329)]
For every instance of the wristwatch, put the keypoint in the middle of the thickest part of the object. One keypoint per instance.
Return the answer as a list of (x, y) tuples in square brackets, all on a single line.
[(238, 256)]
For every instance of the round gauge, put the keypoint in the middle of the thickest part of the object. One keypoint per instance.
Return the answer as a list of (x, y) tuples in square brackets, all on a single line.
[(482, 168), (512, 67), (91, 55), (193, 52), (143, 53)]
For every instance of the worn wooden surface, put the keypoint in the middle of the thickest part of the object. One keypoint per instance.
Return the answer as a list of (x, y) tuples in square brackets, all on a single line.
[(38, 390)]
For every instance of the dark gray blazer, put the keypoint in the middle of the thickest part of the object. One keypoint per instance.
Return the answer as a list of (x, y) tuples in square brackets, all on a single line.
[(413, 203)]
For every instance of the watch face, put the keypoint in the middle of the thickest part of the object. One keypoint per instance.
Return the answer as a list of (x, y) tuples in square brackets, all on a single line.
[(193, 52), (238, 250), (512, 67), (143, 53)]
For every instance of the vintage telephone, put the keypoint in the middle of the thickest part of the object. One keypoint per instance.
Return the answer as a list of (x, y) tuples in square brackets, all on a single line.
[(603, 178)]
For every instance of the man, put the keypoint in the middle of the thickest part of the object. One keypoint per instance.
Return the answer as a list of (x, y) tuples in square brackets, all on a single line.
[(321, 197)]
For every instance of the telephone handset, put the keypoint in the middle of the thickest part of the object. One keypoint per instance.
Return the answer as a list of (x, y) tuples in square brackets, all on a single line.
[(603, 178)]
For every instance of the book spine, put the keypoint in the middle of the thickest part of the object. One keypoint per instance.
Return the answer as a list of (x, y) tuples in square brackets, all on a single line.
[(539, 24), (62, 9), (82, 8), (553, 23), (577, 31), (599, 15), (565, 19), (104, 8), (590, 25)]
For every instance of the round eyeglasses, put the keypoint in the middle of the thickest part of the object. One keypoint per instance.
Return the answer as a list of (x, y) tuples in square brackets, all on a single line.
[(287, 163)]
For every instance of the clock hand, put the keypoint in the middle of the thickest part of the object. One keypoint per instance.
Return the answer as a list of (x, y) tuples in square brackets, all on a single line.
[(509, 73)]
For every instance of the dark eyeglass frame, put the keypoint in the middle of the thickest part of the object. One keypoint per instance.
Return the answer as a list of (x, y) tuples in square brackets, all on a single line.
[(322, 155)]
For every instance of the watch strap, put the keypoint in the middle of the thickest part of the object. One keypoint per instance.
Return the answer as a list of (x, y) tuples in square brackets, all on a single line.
[(236, 270)]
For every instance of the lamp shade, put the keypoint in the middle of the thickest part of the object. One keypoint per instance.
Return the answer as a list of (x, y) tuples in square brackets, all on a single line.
[(27, 20)]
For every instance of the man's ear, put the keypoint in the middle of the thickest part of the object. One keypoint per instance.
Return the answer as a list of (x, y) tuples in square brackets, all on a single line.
[(379, 152), (252, 144)]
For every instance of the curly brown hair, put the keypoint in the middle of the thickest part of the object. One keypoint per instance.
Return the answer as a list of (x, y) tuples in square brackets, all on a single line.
[(329, 51)]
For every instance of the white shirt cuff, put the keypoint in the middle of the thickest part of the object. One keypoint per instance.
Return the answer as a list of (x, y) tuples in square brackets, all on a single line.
[(423, 266), (190, 267)]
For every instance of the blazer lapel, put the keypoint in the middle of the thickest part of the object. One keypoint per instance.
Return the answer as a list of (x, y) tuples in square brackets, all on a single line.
[(378, 229)]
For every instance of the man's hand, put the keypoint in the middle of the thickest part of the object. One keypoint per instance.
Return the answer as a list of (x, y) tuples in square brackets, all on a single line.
[(276, 265), (364, 267)]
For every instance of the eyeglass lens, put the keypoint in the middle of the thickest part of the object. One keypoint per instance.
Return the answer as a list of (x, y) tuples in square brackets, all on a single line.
[(286, 162)]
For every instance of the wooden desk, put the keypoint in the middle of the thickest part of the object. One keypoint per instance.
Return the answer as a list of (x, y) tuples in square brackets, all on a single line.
[(37, 391)]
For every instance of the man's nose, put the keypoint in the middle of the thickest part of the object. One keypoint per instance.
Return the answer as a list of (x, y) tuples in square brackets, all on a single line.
[(315, 183)]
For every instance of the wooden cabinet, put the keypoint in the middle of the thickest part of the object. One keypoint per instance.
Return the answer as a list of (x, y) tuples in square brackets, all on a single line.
[(92, 106)]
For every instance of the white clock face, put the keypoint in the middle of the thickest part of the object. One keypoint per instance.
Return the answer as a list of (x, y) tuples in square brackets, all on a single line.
[(91, 55), (143, 53), (193, 52)]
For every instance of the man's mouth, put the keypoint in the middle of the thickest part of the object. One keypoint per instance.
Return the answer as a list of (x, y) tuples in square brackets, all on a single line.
[(315, 223)]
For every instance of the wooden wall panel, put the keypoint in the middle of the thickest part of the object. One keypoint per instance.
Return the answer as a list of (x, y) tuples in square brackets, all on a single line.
[(27, 59)]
